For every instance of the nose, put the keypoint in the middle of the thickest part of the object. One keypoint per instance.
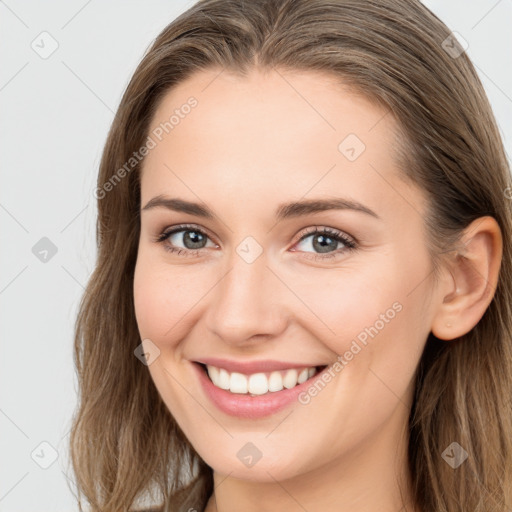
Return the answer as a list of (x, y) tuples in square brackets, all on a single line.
[(248, 303)]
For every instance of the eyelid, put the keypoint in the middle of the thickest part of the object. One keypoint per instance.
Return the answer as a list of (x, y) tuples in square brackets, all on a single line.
[(325, 229), (168, 231)]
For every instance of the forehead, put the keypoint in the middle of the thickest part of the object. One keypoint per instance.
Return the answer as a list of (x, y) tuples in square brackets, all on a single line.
[(273, 132)]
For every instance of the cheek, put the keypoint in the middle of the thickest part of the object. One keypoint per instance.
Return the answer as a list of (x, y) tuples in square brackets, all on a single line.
[(167, 299), (158, 300), (372, 315), (340, 303), (147, 296), (162, 301)]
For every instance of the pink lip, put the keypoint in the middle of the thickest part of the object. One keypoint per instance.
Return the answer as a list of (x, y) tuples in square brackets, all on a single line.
[(250, 367), (245, 405)]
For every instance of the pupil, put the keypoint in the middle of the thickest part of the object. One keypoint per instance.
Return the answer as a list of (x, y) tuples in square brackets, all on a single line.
[(324, 248)]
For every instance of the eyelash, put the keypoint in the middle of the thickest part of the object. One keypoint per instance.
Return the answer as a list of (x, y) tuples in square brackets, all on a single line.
[(350, 243)]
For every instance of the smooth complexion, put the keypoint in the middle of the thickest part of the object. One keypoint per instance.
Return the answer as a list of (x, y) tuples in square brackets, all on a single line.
[(251, 145)]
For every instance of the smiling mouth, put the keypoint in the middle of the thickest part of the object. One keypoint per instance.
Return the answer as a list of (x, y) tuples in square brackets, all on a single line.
[(260, 383)]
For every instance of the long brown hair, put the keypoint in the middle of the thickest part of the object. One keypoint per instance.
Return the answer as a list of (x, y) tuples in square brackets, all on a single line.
[(125, 444)]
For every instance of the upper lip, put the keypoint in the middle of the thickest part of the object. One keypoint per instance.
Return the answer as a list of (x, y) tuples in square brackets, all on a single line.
[(250, 367)]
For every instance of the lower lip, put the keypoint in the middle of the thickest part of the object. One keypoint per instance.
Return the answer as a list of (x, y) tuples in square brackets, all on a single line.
[(245, 405)]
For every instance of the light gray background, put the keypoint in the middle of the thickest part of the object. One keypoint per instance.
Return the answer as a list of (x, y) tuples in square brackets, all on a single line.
[(56, 113)]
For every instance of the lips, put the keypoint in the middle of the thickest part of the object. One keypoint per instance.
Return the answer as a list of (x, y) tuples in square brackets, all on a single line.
[(249, 406)]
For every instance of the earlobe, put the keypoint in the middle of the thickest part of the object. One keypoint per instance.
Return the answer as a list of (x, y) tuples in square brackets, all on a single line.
[(471, 280)]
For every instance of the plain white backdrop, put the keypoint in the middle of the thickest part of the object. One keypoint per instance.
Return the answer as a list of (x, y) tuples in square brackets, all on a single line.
[(64, 67)]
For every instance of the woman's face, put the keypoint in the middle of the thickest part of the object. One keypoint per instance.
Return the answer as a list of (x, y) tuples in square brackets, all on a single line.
[(253, 283)]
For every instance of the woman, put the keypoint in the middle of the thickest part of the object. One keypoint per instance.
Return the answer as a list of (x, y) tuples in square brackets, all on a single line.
[(303, 287)]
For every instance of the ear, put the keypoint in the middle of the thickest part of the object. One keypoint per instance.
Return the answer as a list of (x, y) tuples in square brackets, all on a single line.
[(471, 280)]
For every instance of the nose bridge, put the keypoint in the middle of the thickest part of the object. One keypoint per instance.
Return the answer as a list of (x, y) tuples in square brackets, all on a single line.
[(245, 300)]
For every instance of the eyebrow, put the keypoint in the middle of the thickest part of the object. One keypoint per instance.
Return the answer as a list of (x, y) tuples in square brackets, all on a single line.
[(283, 211)]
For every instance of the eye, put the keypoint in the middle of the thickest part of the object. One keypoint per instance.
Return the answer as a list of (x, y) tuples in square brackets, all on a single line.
[(191, 237), (325, 241)]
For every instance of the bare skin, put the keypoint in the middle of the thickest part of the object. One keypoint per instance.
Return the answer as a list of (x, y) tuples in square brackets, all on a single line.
[(250, 145)]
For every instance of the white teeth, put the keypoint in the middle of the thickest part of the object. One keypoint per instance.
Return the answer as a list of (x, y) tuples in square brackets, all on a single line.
[(223, 378), (213, 372), (238, 383), (290, 379), (275, 382), (303, 376), (258, 383)]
